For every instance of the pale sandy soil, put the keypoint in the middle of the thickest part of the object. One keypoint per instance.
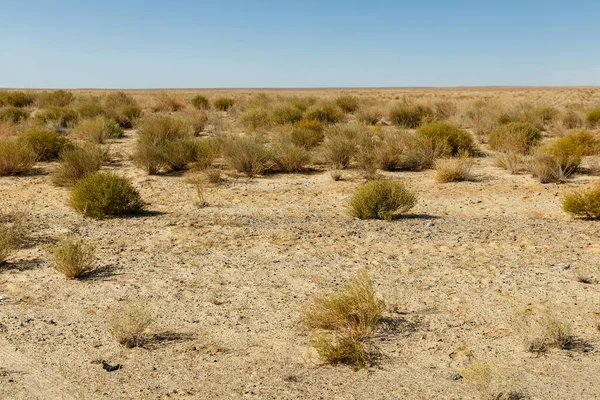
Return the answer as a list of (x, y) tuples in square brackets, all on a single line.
[(226, 284)]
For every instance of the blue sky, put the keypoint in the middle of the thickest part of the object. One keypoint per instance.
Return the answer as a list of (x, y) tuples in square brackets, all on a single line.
[(236, 43)]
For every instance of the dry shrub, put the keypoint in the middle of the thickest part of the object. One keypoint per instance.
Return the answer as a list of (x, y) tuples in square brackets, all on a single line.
[(255, 118), (548, 332), (409, 151), (381, 199), (73, 259), (339, 147), (223, 103), (57, 118), (213, 175), (7, 130), (335, 174), (13, 114), (478, 374), (168, 103), (515, 137), (592, 117), (200, 102), (325, 113), (345, 321), (97, 130), (78, 162), (206, 152), (15, 157), (290, 158), (307, 134), (371, 115), (45, 144), (247, 154), (583, 203), (286, 114), (16, 99), (457, 141), (454, 170), (444, 109), (572, 119), (90, 107), (347, 104), (99, 195), (122, 108), (302, 103), (56, 98), (481, 118), (197, 120), (8, 243), (511, 161), (547, 167), (367, 153), (411, 116), (129, 322)]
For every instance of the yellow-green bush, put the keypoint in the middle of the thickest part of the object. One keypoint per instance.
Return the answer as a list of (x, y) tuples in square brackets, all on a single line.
[(200, 102), (168, 102), (223, 103), (592, 117), (73, 259), (570, 149), (456, 140), (16, 99), (255, 118), (411, 116), (325, 113), (15, 157), (97, 130), (99, 195), (13, 114), (76, 163), (55, 98), (515, 137), (57, 118), (248, 154), (339, 146), (286, 114), (45, 144), (583, 203), (381, 199), (123, 108), (348, 104), (290, 158), (307, 134)]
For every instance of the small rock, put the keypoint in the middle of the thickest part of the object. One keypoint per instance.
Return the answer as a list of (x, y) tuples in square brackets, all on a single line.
[(3, 297), (110, 368), (562, 266), (456, 377), (430, 224)]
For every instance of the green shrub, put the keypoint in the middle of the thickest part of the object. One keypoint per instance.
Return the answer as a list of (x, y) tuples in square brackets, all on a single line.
[(290, 158), (457, 141), (306, 137), (57, 118), (15, 157), (339, 147), (381, 199), (45, 144), (122, 108), (593, 117), (97, 130), (515, 137), (410, 116), (16, 99), (117, 100), (176, 155), (127, 116), (325, 114), (348, 104), (13, 114), (99, 195), (569, 150), (255, 118), (73, 259), (583, 203), (247, 154), (206, 151), (286, 114), (223, 103), (77, 163), (200, 102), (90, 108), (56, 98)]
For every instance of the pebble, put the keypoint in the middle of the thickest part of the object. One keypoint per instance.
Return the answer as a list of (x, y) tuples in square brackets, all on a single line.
[(562, 266), (430, 224)]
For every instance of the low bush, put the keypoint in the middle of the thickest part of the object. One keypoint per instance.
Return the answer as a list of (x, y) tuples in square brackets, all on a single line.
[(45, 144), (454, 170), (290, 158), (443, 110), (248, 154), (457, 141), (366, 154), (122, 108), (286, 114), (97, 130), (223, 103), (117, 100), (325, 114), (129, 322), (511, 161), (302, 103), (592, 117), (90, 108), (339, 146), (547, 167), (583, 203), (371, 115), (197, 120), (347, 104), (569, 150), (206, 152), (572, 120), (77, 163), (16, 99), (73, 259), (550, 332), (410, 116), (55, 98), (166, 102), (57, 118), (381, 199), (409, 151), (255, 118), (8, 243), (306, 137), (15, 157), (13, 114), (200, 102), (99, 195), (516, 137)]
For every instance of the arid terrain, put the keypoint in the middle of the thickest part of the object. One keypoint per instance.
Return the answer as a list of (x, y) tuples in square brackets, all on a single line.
[(461, 273)]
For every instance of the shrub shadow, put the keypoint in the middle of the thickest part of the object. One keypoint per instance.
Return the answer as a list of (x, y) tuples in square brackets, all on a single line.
[(155, 340), (22, 265)]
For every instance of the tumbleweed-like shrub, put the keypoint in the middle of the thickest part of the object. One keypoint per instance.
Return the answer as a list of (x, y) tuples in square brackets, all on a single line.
[(457, 141), (223, 103), (73, 259), (515, 137), (15, 157), (410, 116), (129, 322), (381, 199), (583, 203), (45, 144)]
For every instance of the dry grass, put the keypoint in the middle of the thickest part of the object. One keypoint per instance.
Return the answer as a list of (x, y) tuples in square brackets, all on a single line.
[(7, 243), (511, 161), (73, 259), (77, 163), (411, 116), (129, 322), (290, 158), (454, 170), (248, 154), (339, 146), (45, 144), (547, 167), (97, 130), (168, 103), (381, 199), (550, 332), (455, 140)]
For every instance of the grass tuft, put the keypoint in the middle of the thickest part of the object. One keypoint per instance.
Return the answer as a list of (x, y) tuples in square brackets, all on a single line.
[(73, 259)]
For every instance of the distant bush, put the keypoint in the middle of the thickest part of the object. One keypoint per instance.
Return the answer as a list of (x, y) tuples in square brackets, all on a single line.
[(77, 163), (411, 116), (116, 100), (205, 152), (45, 144), (99, 195), (73, 259), (339, 147), (583, 203), (370, 115), (97, 130), (381, 199), (348, 104), (197, 120), (290, 158), (286, 114), (325, 114), (223, 103), (16, 99), (200, 102), (515, 137), (255, 118), (443, 110), (248, 154), (122, 108), (457, 141), (13, 114), (57, 118), (408, 151), (56, 98), (129, 323), (167, 102), (593, 117), (90, 108), (15, 157), (453, 170), (302, 103), (306, 137), (572, 120)]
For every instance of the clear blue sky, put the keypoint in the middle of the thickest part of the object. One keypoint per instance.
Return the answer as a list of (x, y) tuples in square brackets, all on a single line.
[(310, 43)]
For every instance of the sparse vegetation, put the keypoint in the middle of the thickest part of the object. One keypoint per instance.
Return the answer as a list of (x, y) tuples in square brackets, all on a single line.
[(583, 203), (73, 259), (549, 332), (57, 118), (100, 195), (381, 199), (8, 241), (347, 104), (454, 170), (55, 98), (129, 323), (286, 114), (516, 137), (592, 118), (248, 154), (166, 102), (16, 99), (339, 147), (325, 114)]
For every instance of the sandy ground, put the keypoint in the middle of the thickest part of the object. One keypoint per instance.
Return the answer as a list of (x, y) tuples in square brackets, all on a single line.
[(226, 283)]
